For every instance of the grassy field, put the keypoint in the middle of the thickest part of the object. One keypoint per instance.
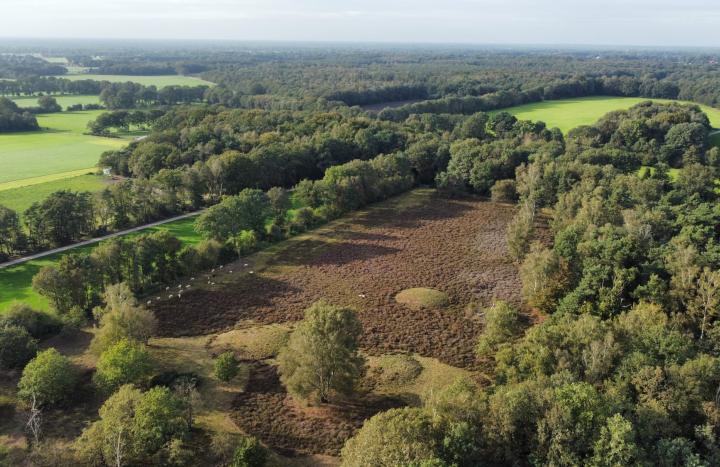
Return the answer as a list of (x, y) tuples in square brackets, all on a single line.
[(64, 100), (16, 281), (21, 198), (159, 81), (69, 122), (26, 182), (567, 114), (34, 154)]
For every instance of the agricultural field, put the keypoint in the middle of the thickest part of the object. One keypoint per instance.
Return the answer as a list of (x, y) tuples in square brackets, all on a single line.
[(456, 248), (63, 99), (34, 154), (159, 81), (566, 114), (20, 198)]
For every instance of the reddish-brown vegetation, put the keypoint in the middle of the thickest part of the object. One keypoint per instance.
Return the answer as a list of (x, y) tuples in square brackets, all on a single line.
[(455, 246), (266, 411)]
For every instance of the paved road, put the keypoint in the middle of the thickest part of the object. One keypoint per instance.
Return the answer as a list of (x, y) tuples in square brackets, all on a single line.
[(96, 240)]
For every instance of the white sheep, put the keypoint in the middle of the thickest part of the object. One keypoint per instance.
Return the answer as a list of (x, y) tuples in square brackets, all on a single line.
[(246, 265), (149, 302), (187, 286), (167, 288), (213, 283), (221, 266), (251, 272), (180, 286), (192, 278), (158, 298), (170, 296), (212, 270)]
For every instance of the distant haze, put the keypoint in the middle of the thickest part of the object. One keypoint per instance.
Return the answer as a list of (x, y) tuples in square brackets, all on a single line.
[(613, 22)]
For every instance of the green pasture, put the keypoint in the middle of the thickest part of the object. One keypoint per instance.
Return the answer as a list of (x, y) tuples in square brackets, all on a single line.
[(38, 153), (19, 199), (567, 114), (76, 122), (159, 81), (16, 281), (26, 182), (63, 99)]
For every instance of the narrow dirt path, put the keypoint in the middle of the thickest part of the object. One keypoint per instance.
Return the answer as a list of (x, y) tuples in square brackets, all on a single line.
[(96, 240)]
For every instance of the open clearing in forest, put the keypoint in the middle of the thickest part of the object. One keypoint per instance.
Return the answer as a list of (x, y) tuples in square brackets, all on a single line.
[(159, 81), (567, 114), (363, 260)]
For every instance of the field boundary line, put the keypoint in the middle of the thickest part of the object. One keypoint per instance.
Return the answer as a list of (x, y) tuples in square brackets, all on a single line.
[(97, 240)]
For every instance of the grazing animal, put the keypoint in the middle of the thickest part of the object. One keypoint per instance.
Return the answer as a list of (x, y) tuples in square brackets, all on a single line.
[(212, 270), (158, 298), (208, 282), (170, 296), (167, 288), (251, 272), (362, 295), (149, 302), (187, 286), (246, 265), (230, 272), (221, 266), (213, 283), (180, 286), (192, 278)]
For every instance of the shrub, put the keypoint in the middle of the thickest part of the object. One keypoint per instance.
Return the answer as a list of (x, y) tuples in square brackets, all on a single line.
[(35, 322), (504, 191), (449, 185), (302, 219), (17, 347), (226, 366), (249, 453), (48, 377), (126, 362), (502, 326)]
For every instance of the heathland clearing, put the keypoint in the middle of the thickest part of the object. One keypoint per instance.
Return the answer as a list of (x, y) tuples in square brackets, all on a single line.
[(364, 260), (38, 153), (567, 114)]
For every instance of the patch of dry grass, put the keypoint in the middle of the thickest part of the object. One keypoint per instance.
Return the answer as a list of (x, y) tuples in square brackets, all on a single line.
[(419, 298), (256, 343)]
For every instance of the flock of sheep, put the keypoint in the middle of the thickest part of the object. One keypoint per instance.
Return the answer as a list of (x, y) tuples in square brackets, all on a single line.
[(210, 282)]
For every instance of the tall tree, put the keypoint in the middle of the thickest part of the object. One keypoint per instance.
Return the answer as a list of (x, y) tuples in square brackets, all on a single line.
[(322, 355)]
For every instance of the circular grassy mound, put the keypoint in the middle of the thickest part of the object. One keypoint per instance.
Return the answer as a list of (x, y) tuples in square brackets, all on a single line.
[(422, 298)]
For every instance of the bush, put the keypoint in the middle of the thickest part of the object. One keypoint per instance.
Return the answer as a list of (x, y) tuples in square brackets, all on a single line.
[(302, 219), (17, 347), (37, 323), (226, 366), (449, 185), (126, 362), (502, 326), (504, 191), (48, 377), (249, 453)]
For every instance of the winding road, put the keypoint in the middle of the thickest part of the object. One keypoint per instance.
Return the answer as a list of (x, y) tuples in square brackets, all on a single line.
[(96, 240)]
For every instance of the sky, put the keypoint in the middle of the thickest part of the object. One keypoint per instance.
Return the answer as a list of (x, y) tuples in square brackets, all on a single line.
[(612, 22)]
